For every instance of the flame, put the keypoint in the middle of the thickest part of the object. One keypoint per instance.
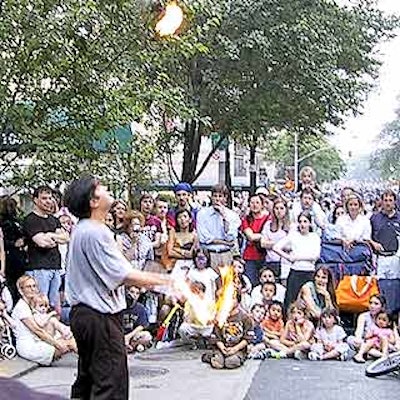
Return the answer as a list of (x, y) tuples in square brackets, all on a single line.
[(226, 296), (205, 312), (170, 21)]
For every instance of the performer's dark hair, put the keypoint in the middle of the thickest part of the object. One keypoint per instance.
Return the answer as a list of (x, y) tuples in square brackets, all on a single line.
[(78, 196)]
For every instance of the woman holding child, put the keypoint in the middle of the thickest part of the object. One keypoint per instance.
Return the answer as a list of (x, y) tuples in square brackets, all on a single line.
[(33, 342)]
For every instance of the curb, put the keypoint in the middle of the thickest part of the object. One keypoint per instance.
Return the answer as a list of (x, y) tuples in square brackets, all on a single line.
[(248, 379), (15, 370), (24, 372)]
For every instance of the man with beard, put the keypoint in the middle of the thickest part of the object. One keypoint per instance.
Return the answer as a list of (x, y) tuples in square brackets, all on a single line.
[(183, 192)]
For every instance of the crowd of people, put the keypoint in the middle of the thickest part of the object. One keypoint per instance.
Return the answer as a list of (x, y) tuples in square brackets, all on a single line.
[(284, 301)]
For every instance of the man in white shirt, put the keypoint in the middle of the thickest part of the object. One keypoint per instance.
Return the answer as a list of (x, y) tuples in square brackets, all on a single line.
[(217, 228)]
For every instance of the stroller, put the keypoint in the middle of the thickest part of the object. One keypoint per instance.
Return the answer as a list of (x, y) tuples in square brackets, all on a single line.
[(7, 348)]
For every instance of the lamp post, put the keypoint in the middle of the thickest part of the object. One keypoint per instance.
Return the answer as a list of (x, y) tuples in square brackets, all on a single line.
[(298, 160)]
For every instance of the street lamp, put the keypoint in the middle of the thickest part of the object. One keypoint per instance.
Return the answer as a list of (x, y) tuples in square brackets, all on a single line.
[(171, 20), (298, 160)]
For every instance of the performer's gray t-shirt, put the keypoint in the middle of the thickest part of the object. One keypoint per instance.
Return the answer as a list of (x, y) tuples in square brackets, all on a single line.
[(96, 268)]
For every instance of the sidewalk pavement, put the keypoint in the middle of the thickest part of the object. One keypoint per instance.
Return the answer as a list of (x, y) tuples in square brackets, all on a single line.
[(172, 374), (185, 376), (16, 367)]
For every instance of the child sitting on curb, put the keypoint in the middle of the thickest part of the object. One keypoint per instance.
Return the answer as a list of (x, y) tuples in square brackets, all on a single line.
[(256, 347), (135, 322), (273, 326), (378, 339), (232, 339), (330, 336), (297, 337)]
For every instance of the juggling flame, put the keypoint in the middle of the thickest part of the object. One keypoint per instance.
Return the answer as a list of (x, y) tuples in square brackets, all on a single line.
[(226, 296), (208, 313), (170, 21)]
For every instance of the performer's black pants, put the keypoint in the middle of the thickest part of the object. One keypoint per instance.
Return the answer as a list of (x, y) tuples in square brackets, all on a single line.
[(102, 366)]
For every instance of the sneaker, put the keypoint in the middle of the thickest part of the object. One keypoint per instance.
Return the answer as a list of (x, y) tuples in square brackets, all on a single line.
[(298, 355), (344, 356), (269, 353), (259, 355), (206, 358), (139, 348), (279, 355), (313, 356)]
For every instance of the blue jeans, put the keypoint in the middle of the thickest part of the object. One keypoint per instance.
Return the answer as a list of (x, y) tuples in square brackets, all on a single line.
[(390, 289), (252, 270), (49, 281)]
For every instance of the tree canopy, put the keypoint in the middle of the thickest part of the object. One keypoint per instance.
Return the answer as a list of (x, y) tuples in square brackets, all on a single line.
[(387, 156), (72, 72), (275, 65)]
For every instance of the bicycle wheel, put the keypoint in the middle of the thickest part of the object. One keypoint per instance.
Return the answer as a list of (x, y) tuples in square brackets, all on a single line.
[(384, 365)]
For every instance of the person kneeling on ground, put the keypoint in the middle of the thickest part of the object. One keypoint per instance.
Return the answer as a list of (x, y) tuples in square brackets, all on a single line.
[(191, 329), (232, 339), (136, 321)]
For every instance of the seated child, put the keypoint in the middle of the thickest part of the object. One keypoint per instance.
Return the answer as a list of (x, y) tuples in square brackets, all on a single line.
[(257, 346), (378, 339), (297, 336), (268, 291), (135, 322), (191, 329), (232, 339), (267, 275), (49, 322), (273, 326), (329, 338)]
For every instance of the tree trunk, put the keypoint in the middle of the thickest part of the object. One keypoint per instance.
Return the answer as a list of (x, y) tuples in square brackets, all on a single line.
[(191, 151), (253, 169), (228, 176)]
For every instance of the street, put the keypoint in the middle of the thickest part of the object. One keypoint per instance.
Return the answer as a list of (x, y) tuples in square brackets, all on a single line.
[(326, 380), (179, 374)]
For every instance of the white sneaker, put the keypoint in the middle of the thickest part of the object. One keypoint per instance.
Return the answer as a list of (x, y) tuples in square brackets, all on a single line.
[(313, 356), (298, 355), (344, 356), (281, 354), (139, 348)]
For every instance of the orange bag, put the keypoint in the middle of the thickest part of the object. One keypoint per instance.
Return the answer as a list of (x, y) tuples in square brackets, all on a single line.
[(353, 293)]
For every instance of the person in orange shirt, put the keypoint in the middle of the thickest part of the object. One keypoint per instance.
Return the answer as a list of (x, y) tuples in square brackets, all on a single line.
[(273, 323)]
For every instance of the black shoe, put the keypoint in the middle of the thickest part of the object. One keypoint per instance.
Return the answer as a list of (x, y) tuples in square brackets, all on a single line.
[(206, 358)]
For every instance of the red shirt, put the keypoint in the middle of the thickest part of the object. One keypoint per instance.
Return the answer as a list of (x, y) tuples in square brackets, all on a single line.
[(251, 252)]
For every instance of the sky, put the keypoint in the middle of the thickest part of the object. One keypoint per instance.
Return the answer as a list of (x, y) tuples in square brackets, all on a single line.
[(359, 134)]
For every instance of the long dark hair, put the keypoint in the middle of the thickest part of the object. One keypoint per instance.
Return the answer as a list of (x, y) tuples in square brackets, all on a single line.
[(274, 220), (178, 213), (307, 215), (331, 282)]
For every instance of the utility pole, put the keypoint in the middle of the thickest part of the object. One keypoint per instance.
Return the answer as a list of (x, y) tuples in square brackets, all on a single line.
[(253, 167), (296, 160)]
